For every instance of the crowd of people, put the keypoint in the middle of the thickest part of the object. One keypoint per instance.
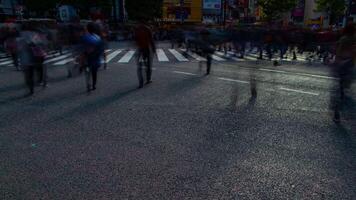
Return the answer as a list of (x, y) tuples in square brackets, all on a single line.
[(31, 42)]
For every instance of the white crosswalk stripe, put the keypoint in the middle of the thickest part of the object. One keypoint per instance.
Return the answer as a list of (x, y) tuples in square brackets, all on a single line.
[(229, 55), (194, 55), (65, 61), (217, 58), (178, 55), (161, 56), (4, 59), (127, 57), (57, 58), (6, 62), (113, 55)]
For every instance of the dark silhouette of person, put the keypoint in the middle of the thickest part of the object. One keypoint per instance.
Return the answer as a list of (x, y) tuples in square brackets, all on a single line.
[(207, 49), (343, 68), (93, 49), (146, 48)]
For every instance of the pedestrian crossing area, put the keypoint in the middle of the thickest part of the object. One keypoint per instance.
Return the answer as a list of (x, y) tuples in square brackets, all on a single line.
[(126, 56)]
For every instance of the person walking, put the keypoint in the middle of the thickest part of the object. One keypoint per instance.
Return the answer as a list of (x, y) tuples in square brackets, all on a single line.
[(92, 51), (343, 68), (26, 56), (146, 48), (207, 49)]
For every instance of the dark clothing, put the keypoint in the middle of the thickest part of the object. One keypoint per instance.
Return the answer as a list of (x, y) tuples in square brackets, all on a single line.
[(146, 57), (29, 75), (93, 50), (146, 47)]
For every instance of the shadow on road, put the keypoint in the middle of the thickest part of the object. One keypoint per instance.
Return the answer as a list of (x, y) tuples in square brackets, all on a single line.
[(94, 105)]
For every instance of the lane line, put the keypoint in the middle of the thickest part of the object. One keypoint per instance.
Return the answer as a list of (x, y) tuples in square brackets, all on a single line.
[(233, 80), (185, 73), (161, 56), (57, 58), (297, 73), (113, 55), (178, 55), (299, 91), (127, 57)]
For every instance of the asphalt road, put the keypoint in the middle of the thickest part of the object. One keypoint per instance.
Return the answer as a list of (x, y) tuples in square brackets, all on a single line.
[(185, 136)]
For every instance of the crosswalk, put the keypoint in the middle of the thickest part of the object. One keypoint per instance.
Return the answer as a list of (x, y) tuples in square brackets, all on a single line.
[(125, 56)]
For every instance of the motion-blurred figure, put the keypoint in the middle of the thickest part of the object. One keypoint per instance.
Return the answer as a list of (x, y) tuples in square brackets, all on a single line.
[(344, 64), (146, 48), (31, 54), (92, 52), (10, 45), (103, 31), (207, 49)]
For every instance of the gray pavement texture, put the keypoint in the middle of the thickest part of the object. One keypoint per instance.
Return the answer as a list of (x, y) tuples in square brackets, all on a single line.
[(185, 136)]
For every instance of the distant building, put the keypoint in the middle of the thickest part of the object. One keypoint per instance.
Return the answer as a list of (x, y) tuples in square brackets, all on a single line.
[(187, 11), (9, 9), (118, 11)]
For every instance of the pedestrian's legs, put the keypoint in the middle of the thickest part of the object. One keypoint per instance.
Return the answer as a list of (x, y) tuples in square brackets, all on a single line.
[(29, 72), (261, 52), (208, 63), (243, 48), (269, 51), (94, 74), (15, 60), (149, 68), (105, 59), (39, 70), (42, 71), (139, 70), (87, 77)]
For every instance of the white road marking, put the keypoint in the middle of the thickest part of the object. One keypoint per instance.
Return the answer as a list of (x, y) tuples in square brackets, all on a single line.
[(127, 57), (6, 62), (195, 56), (217, 58), (229, 55), (3, 59), (161, 56), (296, 73), (57, 58), (233, 80), (178, 55), (113, 55), (299, 91), (185, 73), (65, 61)]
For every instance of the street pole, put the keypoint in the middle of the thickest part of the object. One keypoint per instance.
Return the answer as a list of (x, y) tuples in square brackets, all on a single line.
[(224, 3), (181, 11)]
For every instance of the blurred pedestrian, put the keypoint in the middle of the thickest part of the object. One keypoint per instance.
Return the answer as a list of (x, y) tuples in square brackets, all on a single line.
[(92, 52), (146, 49), (344, 67), (26, 44), (207, 49), (11, 46)]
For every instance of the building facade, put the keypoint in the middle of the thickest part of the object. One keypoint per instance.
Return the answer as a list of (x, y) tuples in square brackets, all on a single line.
[(9, 9), (187, 11)]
